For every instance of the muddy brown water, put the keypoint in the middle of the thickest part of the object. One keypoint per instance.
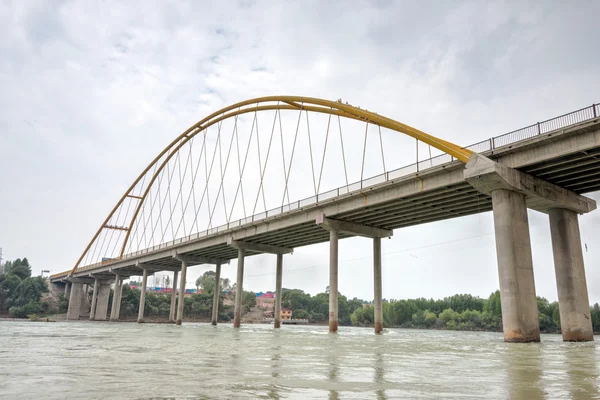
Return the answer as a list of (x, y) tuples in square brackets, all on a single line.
[(197, 361)]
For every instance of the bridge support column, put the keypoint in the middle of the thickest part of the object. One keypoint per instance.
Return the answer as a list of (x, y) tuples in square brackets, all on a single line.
[(67, 290), (84, 299), (216, 295), (377, 297), (94, 300), (143, 297), (75, 300), (184, 265), (575, 321), (512, 192), (239, 293), (116, 301), (120, 293), (173, 298), (333, 280), (102, 302), (278, 282), (515, 267)]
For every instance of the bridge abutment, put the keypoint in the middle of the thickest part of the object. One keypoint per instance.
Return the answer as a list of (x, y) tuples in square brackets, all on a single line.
[(216, 295), (575, 319)]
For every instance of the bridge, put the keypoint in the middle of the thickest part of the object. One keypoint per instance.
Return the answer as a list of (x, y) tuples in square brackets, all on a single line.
[(215, 193)]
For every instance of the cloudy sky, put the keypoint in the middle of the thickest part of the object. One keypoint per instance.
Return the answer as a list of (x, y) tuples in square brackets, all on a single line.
[(92, 91)]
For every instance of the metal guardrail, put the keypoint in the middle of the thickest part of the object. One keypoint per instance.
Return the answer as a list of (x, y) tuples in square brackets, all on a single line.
[(563, 121)]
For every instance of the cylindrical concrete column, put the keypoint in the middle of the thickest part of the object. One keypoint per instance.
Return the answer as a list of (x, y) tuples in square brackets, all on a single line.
[(173, 298), (515, 267), (116, 301), (181, 292), (574, 306), (216, 295), (333, 280), (143, 296), (120, 296), (378, 308), (113, 307), (94, 300), (278, 281), (75, 301), (239, 293)]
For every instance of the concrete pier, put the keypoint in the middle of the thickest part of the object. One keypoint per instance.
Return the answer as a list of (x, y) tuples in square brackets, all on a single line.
[(84, 300), (120, 296), (102, 302), (143, 296), (116, 301), (237, 314), (67, 290), (94, 300), (216, 295), (184, 265), (377, 297), (575, 319), (75, 300), (278, 282), (333, 280), (173, 298), (515, 267)]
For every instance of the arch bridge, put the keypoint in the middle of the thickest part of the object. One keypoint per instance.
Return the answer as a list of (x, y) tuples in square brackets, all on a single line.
[(271, 174)]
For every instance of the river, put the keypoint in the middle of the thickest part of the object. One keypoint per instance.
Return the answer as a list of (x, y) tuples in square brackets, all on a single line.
[(198, 361)]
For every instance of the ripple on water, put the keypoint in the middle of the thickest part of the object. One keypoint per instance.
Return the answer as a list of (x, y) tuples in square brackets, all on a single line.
[(198, 361)]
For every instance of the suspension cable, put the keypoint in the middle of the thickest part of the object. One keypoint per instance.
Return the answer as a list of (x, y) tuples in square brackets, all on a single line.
[(324, 150), (381, 145), (343, 153), (263, 169), (287, 179), (362, 170), (312, 164)]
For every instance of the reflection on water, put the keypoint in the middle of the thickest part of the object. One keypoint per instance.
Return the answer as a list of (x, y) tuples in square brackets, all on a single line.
[(524, 375), (198, 361)]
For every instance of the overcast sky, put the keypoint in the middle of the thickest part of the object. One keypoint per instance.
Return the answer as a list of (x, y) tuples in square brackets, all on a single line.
[(92, 91)]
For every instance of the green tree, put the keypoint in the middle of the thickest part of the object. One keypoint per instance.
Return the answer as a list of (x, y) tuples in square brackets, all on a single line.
[(493, 306), (248, 300), (28, 291), (18, 267)]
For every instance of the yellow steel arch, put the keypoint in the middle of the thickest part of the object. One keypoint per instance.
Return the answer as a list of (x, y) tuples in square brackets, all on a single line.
[(263, 104)]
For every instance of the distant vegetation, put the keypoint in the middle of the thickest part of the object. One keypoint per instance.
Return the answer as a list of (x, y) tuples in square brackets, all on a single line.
[(458, 312), (20, 293)]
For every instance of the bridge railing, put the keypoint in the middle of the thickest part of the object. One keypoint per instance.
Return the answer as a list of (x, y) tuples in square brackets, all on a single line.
[(563, 121)]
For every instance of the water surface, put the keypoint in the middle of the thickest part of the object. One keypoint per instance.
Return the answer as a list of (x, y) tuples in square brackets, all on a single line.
[(198, 361)]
